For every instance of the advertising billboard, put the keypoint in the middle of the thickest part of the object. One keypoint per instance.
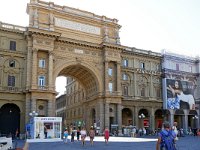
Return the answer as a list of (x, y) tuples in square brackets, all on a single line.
[(178, 94)]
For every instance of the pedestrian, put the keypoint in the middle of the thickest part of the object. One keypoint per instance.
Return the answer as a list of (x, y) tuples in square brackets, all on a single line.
[(45, 131), (92, 134), (17, 134), (174, 128), (72, 136), (106, 135), (166, 138), (65, 136), (83, 135), (78, 134)]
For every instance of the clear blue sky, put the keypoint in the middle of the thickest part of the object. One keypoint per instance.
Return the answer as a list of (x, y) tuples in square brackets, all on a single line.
[(153, 25)]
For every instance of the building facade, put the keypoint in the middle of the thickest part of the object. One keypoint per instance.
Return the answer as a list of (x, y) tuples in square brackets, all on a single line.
[(110, 85), (181, 89)]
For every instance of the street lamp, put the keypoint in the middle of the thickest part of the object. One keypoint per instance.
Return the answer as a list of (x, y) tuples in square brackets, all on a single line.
[(33, 114)]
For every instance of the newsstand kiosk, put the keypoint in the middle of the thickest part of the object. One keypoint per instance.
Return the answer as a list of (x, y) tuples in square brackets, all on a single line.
[(45, 129)]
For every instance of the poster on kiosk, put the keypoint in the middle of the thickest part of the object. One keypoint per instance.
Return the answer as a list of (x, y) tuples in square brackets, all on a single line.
[(46, 128)]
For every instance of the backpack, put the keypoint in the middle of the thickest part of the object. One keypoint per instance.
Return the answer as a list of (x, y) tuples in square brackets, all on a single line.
[(167, 141)]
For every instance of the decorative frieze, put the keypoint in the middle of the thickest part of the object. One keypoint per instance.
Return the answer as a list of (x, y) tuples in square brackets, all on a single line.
[(77, 26)]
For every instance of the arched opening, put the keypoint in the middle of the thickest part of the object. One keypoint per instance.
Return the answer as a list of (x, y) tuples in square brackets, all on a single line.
[(9, 119), (81, 85), (93, 118), (178, 117), (192, 119), (158, 119), (143, 117), (127, 117)]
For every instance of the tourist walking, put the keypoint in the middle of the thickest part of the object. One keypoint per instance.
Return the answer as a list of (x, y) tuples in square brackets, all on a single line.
[(166, 138), (83, 136), (106, 135), (65, 136), (78, 134), (92, 134)]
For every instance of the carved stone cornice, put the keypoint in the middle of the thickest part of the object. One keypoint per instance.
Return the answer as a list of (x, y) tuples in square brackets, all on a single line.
[(53, 34), (78, 43)]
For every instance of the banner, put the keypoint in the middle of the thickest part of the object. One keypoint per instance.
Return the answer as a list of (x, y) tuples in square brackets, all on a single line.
[(178, 94)]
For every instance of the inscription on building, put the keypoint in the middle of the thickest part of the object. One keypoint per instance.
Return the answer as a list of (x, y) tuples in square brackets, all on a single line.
[(77, 26)]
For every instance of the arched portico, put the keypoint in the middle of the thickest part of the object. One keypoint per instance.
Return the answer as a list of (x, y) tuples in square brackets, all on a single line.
[(9, 119)]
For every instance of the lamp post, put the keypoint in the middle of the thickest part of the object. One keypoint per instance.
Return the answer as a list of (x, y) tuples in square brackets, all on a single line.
[(142, 116), (33, 114)]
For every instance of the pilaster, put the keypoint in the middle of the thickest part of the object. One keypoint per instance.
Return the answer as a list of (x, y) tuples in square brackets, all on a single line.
[(119, 118), (34, 69), (50, 71), (107, 115)]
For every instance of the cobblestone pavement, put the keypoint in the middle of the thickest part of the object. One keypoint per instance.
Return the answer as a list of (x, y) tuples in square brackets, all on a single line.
[(118, 143)]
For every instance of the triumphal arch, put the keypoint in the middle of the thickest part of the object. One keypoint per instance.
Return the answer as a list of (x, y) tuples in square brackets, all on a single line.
[(118, 83), (73, 43)]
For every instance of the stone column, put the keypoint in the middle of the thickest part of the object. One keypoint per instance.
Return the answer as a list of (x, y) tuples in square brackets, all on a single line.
[(27, 107), (34, 69), (119, 118), (106, 76), (151, 86), (50, 71), (33, 105), (101, 116), (152, 119), (133, 116), (50, 107), (171, 117), (185, 119), (135, 85), (118, 77), (107, 115), (136, 117)]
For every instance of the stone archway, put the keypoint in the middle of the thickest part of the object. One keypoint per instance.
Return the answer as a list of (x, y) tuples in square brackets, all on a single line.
[(158, 118), (127, 117), (143, 116), (192, 119), (9, 119)]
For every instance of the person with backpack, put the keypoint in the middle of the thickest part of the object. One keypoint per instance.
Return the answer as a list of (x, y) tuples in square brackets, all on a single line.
[(166, 138)]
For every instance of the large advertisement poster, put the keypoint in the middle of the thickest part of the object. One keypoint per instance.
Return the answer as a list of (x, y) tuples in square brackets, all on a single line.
[(178, 94)]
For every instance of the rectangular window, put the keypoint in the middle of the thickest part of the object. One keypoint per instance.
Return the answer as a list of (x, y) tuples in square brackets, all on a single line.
[(142, 92), (190, 69), (125, 91), (110, 87), (125, 76), (142, 65), (41, 81), (11, 80), (42, 63), (177, 67), (13, 45), (125, 63), (110, 71)]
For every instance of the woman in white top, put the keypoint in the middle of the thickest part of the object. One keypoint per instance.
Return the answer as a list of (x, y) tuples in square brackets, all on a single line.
[(177, 92), (83, 136)]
